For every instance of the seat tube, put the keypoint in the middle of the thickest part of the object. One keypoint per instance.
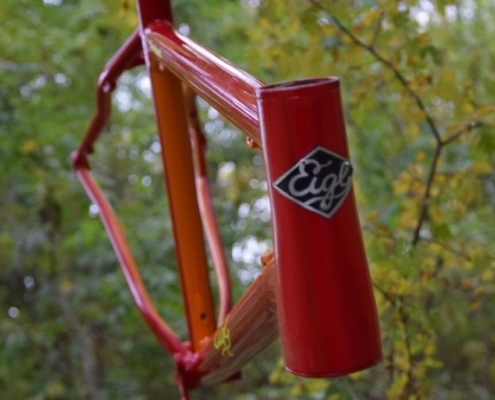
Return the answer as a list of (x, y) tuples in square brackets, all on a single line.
[(171, 117), (327, 316)]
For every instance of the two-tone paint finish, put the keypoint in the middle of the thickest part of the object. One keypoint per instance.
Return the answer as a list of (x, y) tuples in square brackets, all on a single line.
[(325, 303), (226, 87)]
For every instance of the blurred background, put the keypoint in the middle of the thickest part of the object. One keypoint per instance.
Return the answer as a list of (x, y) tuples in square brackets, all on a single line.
[(418, 81)]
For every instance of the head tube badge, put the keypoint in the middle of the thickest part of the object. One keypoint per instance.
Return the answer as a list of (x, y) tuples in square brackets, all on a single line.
[(319, 182)]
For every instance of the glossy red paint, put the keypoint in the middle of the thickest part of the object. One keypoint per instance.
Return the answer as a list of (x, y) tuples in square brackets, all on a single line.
[(327, 316), (326, 307), (247, 330), (226, 87), (151, 10), (160, 329), (128, 56)]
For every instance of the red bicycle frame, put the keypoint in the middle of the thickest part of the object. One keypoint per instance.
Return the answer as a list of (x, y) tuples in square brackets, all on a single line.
[(315, 287)]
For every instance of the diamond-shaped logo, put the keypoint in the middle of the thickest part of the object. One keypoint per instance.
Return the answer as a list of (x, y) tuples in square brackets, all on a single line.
[(318, 182)]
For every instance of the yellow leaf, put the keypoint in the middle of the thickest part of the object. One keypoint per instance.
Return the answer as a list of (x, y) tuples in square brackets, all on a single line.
[(432, 363), (419, 371), (447, 75), (339, 9), (329, 30), (317, 385), (371, 17), (423, 39), (484, 111), (417, 115), (468, 107), (482, 167), (455, 127), (487, 275), (372, 216), (414, 131), (421, 156), (401, 187), (356, 375), (454, 182), (409, 215), (264, 23), (435, 190), (429, 349), (66, 286), (28, 147), (397, 388), (296, 390), (403, 287), (355, 55)]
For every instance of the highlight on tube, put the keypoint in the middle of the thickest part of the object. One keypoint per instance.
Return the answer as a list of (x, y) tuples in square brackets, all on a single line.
[(314, 290)]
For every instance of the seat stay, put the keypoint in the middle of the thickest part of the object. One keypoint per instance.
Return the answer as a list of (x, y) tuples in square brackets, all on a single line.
[(165, 335), (128, 56)]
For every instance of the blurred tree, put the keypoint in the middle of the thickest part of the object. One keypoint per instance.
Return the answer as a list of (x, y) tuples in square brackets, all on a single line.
[(420, 119), (70, 329), (420, 114)]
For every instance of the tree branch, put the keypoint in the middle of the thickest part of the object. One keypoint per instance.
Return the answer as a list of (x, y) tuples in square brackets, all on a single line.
[(420, 104), (387, 63), (409, 388), (376, 32), (431, 176), (426, 197), (385, 294), (467, 128), (449, 249)]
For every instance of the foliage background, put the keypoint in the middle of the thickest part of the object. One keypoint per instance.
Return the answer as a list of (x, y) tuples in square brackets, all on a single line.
[(418, 83)]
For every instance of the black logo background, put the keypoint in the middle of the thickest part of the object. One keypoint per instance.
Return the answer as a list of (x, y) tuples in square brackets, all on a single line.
[(318, 182)]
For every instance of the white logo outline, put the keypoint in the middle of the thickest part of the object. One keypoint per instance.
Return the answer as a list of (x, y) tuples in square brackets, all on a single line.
[(325, 192)]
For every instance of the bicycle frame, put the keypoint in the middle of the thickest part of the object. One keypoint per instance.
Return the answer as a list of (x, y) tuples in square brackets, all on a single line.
[(318, 292)]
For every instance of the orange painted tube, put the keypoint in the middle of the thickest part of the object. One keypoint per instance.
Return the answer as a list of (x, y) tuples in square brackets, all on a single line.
[(212, 232), (226, 87), (179, 177)]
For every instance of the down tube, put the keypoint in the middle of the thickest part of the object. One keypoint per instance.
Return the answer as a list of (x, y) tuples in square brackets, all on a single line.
[(248, 329)]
